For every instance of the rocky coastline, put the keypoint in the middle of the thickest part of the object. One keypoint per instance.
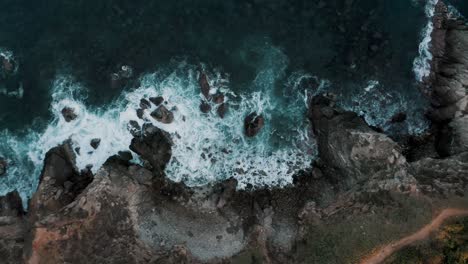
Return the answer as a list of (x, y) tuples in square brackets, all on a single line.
[(364, 182)]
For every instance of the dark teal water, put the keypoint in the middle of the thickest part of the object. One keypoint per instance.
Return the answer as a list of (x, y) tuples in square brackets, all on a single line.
[(89, 39)]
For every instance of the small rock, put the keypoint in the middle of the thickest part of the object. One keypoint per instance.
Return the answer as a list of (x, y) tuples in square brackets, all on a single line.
[(253, 123), (3, 166), (205, 107), (157, 100), (126, 71), (145, 104), (222, 109), (69, 114), (95, 143), (140, 113), (163, 115)]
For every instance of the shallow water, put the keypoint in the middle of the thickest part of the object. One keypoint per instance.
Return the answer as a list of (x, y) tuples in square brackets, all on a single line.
[(273, 55)]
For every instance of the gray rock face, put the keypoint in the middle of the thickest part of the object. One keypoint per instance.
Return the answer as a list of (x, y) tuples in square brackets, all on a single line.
[(348, 146)]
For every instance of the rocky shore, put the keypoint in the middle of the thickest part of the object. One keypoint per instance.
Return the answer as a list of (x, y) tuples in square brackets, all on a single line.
[(363, 190)]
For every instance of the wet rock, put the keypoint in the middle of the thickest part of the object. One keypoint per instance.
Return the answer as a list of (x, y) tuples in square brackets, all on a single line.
[(253, 123), (154, 145), (145, 104), (126, 71), (95, 143), (157, 100), (163, 115), (134, 128), (13, 227), (125, 155), (140, 112), (205, 107), (3, 166), (222, 109), (69, 114), (204, 85)]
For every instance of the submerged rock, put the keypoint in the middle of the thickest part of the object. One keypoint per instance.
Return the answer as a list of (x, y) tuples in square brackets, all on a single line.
[(205, 107), (69, 114), (253, 123), (95, 143), (3, 166), (163, 115)]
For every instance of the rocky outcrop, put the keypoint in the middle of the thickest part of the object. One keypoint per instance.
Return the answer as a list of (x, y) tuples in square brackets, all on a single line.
[(3, 166), (450, 82), (351, 151), (60, 182), (154, 146), (163, 115)]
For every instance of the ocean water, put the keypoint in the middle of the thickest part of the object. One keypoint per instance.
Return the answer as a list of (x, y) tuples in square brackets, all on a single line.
[(270, 57)]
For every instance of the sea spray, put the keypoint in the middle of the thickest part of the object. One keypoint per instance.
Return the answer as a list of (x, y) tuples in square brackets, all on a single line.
[(422, 63)]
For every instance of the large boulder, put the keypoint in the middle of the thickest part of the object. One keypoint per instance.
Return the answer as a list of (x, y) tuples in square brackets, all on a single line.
[(60, 182), (349, 147), (153, 145), (253, 124)]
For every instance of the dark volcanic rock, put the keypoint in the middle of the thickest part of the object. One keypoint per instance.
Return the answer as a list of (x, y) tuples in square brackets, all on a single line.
[(134, 128), (163, 115), (69, 114), (140, 113), (157, 100), (145, 104), (253, 123), (95, 143), (3, 166), (154, 145)]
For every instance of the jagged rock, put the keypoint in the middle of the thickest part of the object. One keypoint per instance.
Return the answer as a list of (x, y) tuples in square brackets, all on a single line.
[(69, 114), (51, 195), (145, 104), (95, 142), (157, 100), (348, 146), (3, 166), (154, 145), (253, 123), (163, 115)]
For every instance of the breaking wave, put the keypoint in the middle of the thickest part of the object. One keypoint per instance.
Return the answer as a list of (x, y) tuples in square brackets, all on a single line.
[(422, 63)]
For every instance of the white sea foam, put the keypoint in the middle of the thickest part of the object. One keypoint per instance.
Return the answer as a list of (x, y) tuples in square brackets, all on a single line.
[(422, 63), (206, 147)]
